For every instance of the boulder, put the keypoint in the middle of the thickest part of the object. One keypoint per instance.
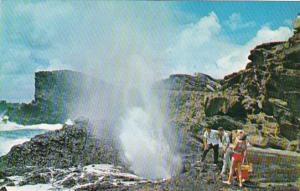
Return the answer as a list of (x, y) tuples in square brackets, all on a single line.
[(293, 146), (36, 178), (278, 143), (69, 181), (258, 141)]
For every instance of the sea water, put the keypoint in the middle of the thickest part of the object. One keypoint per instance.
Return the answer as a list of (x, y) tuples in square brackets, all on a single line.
[(12, 134)]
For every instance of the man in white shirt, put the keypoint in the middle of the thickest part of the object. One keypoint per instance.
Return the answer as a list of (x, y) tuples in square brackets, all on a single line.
[(211, 141), (224, 143)]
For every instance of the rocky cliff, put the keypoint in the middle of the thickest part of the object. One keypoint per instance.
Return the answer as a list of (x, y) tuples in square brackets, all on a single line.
[(265, 96), (57, 94), (263, 99)]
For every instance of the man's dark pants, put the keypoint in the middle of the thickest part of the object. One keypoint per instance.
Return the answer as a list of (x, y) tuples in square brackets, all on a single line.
[(216, 152)]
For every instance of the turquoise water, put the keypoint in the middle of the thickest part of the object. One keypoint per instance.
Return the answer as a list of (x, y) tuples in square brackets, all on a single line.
[(14, 137), (22, 133)]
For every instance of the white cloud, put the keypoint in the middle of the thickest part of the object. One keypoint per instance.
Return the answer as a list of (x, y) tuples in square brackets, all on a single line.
[(238, 58), (200, 32), (99, 38), (205, 50), (198, 46), (235, 22), (102, 38), (265, 34)]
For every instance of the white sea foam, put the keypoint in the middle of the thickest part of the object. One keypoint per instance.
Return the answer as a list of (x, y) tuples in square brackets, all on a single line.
[(107, 170), (37, 187), (11, 126)]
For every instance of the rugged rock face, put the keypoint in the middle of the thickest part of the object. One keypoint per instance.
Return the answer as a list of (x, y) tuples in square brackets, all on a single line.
[(271, 84), (263, 99), (221, 105)]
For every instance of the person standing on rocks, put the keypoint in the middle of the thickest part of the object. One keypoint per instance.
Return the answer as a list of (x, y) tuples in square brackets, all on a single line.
[(224, 141), (211, 142), (239, 148)]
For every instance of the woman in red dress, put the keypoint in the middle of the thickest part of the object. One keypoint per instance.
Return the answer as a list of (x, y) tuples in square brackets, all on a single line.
[(239, 147)]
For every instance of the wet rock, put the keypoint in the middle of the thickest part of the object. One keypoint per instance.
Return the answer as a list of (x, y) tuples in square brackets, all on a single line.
[(7, 182), (96, 186), (10, 184), (36, 178), (68, 182)]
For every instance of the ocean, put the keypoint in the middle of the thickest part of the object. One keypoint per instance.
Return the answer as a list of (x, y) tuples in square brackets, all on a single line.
[(12, 134)]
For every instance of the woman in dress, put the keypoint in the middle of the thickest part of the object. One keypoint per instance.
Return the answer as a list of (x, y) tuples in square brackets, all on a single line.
[(239, 154)]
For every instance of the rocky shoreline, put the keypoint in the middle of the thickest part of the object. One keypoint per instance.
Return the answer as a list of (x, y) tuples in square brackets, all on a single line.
[(91, 177), (263, 100), (274, 169)]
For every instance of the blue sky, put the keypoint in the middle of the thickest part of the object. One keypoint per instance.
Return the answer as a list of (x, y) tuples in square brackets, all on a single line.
[(102, 38), (273, 14)]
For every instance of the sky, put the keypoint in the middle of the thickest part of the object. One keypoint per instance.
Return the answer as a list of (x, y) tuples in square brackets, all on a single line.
[(172, 37)]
